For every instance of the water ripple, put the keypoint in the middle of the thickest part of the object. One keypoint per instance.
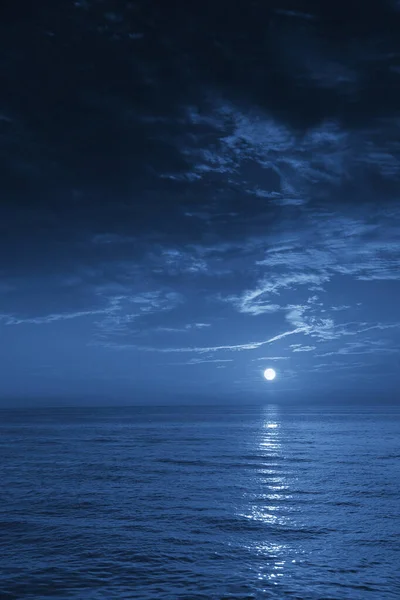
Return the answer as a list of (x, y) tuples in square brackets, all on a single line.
[(199, 504)]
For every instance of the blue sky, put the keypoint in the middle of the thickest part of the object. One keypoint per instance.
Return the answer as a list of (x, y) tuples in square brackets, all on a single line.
[(187, 202)]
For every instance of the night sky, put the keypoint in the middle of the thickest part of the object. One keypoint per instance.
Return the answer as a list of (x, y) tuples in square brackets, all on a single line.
[(194, 192)]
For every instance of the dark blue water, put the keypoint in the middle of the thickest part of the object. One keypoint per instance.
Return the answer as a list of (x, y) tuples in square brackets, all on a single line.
[(199, 503)]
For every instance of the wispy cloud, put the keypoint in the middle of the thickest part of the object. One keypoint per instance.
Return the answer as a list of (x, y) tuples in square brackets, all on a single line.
[(125, 309), (259, 301), (189, 327), (41, 320), (266, 358), (117, 313), (199, 361), (208, 349), (300, 348), (367, 346)]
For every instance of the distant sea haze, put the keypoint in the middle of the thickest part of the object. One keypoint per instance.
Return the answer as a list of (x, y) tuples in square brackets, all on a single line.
[(200, 503)]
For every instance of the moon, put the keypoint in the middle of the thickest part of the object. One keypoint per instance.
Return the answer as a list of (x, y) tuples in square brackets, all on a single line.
[(269, 374)]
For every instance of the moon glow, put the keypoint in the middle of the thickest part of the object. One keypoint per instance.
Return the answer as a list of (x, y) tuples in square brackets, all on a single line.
[(269, 374)]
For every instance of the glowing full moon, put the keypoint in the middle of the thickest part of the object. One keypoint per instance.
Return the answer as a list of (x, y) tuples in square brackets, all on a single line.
[(269, 374)]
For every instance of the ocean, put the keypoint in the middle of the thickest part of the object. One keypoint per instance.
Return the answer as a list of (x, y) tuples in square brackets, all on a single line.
[(200, 503)]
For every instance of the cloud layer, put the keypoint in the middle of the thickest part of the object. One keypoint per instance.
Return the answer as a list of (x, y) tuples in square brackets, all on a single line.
[(201, 193)]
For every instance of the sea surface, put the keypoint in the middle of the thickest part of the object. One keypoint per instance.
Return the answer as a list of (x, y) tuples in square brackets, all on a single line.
[(190, 503)]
